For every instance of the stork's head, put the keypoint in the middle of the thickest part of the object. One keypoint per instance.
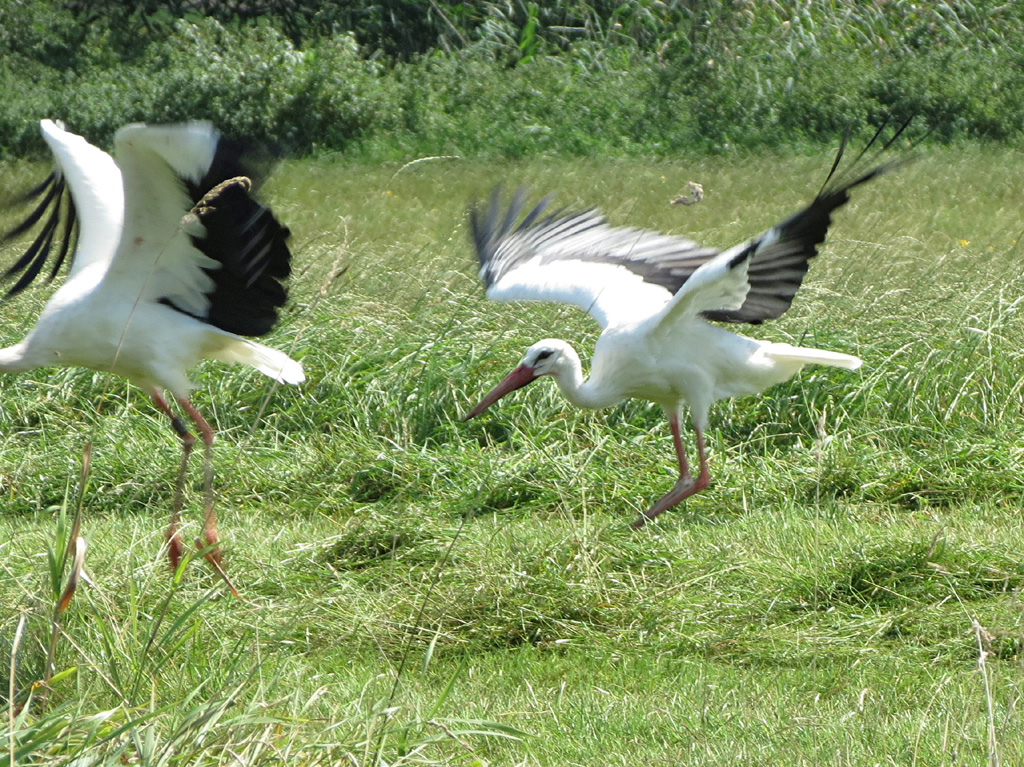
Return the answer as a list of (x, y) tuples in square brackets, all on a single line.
[(544, 358)]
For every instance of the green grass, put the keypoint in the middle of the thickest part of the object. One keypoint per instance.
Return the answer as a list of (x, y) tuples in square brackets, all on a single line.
[(418, 590)]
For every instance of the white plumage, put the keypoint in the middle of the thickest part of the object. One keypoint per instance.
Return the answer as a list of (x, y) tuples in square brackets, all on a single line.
[(653, 295), (175, 260)]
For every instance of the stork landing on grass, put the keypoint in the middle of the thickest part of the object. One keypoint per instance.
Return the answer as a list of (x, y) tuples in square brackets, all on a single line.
[(653, 295), (171, 259)]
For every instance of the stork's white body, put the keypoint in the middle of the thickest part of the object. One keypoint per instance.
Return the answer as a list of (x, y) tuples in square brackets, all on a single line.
[(653, 295), (628, 361), (173, 255), (694, 364)]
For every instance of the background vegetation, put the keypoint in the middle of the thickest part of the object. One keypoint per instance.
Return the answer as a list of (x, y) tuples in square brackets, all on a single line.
[(418, 590), (421, 591), (398, 78)]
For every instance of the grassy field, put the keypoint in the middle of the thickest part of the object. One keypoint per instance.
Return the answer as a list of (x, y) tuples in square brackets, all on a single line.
[(417, 590)]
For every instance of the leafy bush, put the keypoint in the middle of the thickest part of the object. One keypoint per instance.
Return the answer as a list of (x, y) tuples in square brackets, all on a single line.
[(340, 98), (463, 102), (573, 77)]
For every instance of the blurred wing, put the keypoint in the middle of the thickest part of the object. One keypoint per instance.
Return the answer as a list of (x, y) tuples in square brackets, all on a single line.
[(721, 284), (621, 274), (194, 237), (617, 274), (80, 205), (778, 258)]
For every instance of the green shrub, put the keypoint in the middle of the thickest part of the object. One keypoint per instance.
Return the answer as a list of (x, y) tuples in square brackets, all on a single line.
[(571, 78), (339, 98)]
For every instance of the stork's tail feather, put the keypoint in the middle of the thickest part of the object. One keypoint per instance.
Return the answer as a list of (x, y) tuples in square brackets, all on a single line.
[(270, 362), (803, 356)]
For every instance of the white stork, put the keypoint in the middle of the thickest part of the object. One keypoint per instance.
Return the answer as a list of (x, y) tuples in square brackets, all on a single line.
[(171, 261), (653, 295)]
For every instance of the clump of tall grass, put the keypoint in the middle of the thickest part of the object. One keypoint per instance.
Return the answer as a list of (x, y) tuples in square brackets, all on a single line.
[(127, 674)]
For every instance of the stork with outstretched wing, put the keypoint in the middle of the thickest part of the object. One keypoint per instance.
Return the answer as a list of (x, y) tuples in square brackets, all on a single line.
[(172, 260), (653, 295)]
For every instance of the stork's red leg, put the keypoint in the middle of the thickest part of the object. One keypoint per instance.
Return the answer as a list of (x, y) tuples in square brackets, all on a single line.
[(685, 486), (210, 537), (174, 544), (206, 433)]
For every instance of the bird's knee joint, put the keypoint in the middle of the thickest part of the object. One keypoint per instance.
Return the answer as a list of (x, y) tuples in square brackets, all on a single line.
[(182, 430)]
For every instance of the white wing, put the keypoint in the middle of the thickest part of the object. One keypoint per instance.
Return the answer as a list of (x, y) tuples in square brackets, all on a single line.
[(156, 257), (617, 274), (611, 294), (720, 285), (96, 187)]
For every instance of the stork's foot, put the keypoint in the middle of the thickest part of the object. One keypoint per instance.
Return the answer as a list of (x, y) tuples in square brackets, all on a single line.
[(175, 548), (683, 489), (209, 544)]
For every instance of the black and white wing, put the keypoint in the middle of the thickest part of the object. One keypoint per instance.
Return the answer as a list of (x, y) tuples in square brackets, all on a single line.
[(195, 238), (622, 274), (617, 274), (774, 263), (80, 206), (778, 258)]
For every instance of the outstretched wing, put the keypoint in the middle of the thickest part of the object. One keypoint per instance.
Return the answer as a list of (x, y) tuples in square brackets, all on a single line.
[(778, 257), (621, 274), (80, 206), (756, 280), (617, 274), (195, 238)]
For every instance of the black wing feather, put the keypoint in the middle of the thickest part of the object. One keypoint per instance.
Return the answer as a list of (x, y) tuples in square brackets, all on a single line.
[(68, 238), (56, 204), (46, 233), (246, 239)]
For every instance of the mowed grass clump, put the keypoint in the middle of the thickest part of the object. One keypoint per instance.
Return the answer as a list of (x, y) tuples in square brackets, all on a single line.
[(417, 589)]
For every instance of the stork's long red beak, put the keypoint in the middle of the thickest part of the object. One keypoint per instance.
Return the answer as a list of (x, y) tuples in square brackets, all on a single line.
[(517, 379)]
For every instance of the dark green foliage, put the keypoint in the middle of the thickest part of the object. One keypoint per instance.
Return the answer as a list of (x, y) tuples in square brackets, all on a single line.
[(516, 490), (369, 545), (374, 483), (399, 78)]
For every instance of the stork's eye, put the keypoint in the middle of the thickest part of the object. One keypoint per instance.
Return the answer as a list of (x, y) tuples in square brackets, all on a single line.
[(541, 356)]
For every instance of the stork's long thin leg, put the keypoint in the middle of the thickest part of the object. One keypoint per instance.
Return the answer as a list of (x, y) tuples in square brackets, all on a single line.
[(173, 535), (206, 433), (686, 485), (210, 538)]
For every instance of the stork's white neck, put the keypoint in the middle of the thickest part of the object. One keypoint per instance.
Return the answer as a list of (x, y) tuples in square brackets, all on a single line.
[(580, 392)]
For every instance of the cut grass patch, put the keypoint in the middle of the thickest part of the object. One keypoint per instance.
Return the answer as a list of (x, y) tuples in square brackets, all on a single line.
[(815, 605)]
